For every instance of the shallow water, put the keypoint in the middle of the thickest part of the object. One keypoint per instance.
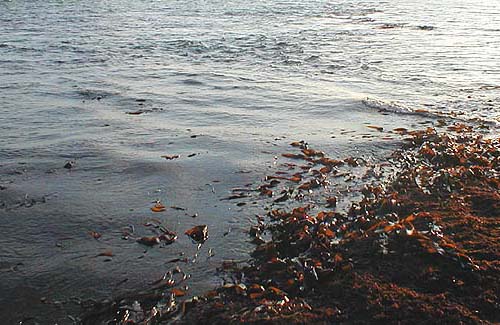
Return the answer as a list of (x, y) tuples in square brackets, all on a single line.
[(233, 82)]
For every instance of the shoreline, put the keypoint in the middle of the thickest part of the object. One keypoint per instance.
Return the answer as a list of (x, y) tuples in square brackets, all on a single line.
[(406, 252), (63, 265)]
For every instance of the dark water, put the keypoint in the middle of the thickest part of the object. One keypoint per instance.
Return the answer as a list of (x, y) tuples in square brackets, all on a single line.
[(233, 82)]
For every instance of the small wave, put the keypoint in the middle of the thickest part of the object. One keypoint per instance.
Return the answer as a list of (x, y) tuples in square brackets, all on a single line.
[(391, 25), (405, 25), (398, 108), (192, 82), (489, 87), (93, 93), (426, 27), (395, 107)]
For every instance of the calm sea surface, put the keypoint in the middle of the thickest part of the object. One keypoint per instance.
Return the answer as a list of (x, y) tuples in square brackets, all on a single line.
[(230, 81)]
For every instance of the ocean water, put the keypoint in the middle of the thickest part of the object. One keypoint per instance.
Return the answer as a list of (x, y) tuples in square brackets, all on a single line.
[(230, 81)]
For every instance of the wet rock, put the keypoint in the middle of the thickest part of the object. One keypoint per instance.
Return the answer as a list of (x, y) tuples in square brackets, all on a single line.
[(198, 233), (70, 164)]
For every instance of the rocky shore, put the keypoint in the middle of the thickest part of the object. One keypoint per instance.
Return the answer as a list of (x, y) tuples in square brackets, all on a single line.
[(420, 246)]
